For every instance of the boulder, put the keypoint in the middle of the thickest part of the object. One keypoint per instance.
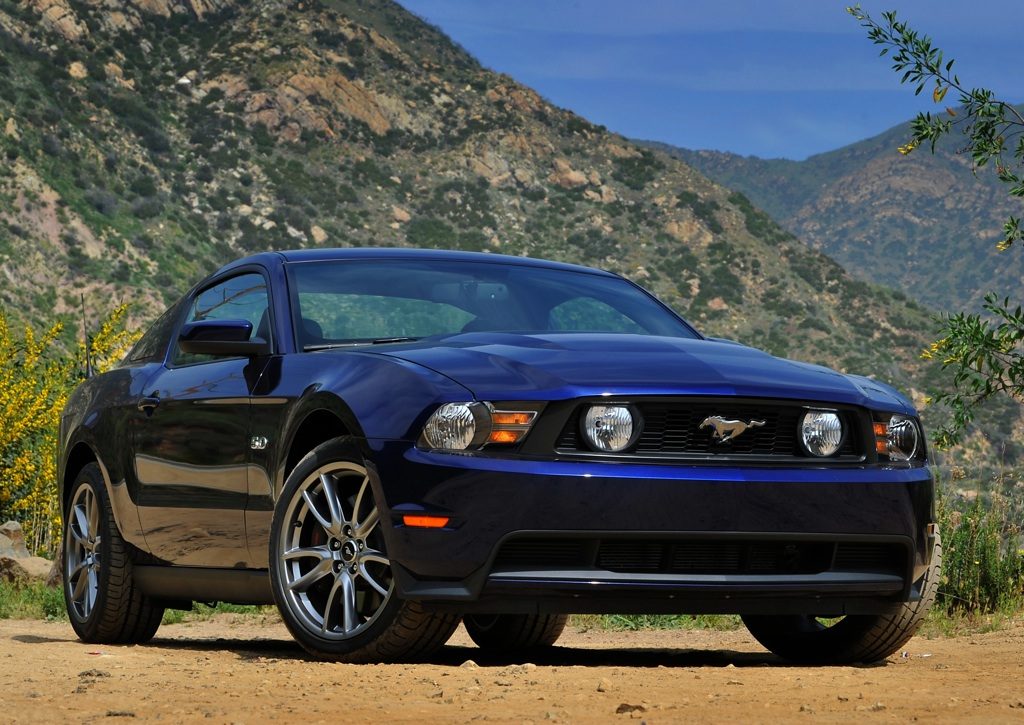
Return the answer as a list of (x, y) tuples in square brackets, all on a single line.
[(566, 176), (16, 563), (24, 569), (12, 541)]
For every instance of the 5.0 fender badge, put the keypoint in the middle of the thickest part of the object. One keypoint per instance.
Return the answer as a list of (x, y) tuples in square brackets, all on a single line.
[(725, 429)]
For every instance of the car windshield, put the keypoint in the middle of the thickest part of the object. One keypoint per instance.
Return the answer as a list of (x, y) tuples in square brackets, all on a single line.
[(377, 301)]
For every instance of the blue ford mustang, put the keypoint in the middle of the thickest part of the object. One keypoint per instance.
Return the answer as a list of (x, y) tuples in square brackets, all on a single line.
[(386, 442)]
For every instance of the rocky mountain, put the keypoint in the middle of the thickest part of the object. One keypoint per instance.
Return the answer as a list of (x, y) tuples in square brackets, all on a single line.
[(921, 223), (146, 142)]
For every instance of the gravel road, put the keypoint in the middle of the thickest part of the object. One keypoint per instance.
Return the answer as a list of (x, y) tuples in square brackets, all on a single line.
[(244, 670)]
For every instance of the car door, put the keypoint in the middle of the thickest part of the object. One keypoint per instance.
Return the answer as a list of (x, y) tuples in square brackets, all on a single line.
[(191, 442)]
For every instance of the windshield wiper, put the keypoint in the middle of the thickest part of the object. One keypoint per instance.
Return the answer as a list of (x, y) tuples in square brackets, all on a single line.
[(386, 340), (356, 343)]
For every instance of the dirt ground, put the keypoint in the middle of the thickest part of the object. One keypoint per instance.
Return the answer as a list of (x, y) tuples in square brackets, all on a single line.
[(242, 670)]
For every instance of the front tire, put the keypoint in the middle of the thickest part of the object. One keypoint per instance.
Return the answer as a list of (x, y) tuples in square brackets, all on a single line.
[(507, 633), (104, 604), (854, 638), (330, 571)]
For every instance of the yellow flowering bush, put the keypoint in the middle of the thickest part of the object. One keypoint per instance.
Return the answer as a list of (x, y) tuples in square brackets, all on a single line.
[(36, 378)]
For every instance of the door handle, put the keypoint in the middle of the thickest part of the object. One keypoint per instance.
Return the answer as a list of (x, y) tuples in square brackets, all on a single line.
[(148, 404)]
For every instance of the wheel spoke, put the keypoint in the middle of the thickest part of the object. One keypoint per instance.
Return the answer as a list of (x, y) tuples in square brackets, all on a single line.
[(371, 581), (311, 505), (322, 553), (350, 616), (311, 577), (333, 503), (367, 525), (364, 485), (375, 556), (82, 523), (94, 516), (331, 603), (78, 570), (80, 584), (90, 592)]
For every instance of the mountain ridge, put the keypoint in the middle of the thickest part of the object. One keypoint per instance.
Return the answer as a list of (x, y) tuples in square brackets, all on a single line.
[(922, 223)]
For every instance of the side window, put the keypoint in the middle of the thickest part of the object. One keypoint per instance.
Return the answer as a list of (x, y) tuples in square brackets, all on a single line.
[(586, 314), (239, 298), (153, 345)]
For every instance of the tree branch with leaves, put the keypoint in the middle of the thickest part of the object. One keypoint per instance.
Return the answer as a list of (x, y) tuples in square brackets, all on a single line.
[(984, 352)]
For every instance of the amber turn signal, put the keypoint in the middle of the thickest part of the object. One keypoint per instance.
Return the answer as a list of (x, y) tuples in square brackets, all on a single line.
[(510, 426), (881, 438), (507, 417), (425, 522), (506, 436)]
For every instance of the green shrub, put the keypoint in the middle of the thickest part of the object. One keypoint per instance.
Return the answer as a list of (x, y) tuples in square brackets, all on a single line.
[(757, 222), (703, 210), (31, 601), (102, 201), (637, 171), (430, 233), (983, 564), (147, 207), (465, 204), (144, 185)]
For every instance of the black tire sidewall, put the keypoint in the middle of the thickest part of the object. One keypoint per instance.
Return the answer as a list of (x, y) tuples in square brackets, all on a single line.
[(856, 638)]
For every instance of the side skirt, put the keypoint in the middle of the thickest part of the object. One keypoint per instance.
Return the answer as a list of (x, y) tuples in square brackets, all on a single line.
[(234, 586)]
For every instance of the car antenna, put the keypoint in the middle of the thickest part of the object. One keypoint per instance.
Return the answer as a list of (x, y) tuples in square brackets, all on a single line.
[(89, 372)]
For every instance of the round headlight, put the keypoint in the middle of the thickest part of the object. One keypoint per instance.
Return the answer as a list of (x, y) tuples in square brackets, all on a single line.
[(454, 426), (901, 438), (609, 428), (821, 432)]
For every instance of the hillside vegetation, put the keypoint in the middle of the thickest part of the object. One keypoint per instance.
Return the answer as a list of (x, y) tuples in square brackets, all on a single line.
[(921, 223)]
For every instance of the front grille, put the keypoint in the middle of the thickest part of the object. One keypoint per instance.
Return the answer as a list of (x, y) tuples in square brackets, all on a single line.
[(673, 429), (701, 556)]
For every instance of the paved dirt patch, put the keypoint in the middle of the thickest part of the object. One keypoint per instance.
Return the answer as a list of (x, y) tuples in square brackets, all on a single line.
[(244, 671)]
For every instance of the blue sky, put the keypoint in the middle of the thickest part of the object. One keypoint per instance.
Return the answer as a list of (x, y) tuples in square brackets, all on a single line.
[(772, 78)]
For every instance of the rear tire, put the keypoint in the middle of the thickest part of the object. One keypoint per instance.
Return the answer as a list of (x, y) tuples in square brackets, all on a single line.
[(104, 604), (514, 632), (329, 569), (854, 638)]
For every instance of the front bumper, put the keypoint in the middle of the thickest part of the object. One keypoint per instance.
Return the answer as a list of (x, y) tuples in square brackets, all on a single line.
[(649, 538)]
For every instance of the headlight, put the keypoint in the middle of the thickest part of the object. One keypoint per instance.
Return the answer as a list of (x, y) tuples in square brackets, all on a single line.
[(609, 428), (457, 426), (464, 426), (901, 438), (821, 432)]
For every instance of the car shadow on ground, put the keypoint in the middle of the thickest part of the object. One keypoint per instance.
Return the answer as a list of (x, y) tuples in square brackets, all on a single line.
[(456, 656)]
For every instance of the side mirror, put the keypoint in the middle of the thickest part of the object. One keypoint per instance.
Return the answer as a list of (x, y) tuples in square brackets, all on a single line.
[(222, 337)]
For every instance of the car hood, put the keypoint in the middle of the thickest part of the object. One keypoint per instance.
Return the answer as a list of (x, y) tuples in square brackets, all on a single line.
[(509, 366)]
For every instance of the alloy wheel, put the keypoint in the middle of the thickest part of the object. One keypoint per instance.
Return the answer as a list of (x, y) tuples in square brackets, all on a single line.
[(336, 576), (82, 552)]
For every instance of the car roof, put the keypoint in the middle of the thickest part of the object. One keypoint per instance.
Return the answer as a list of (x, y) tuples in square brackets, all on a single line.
[(323, 255)]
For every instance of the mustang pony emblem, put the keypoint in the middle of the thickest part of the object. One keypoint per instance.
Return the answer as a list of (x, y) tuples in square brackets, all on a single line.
[(726, 429)]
